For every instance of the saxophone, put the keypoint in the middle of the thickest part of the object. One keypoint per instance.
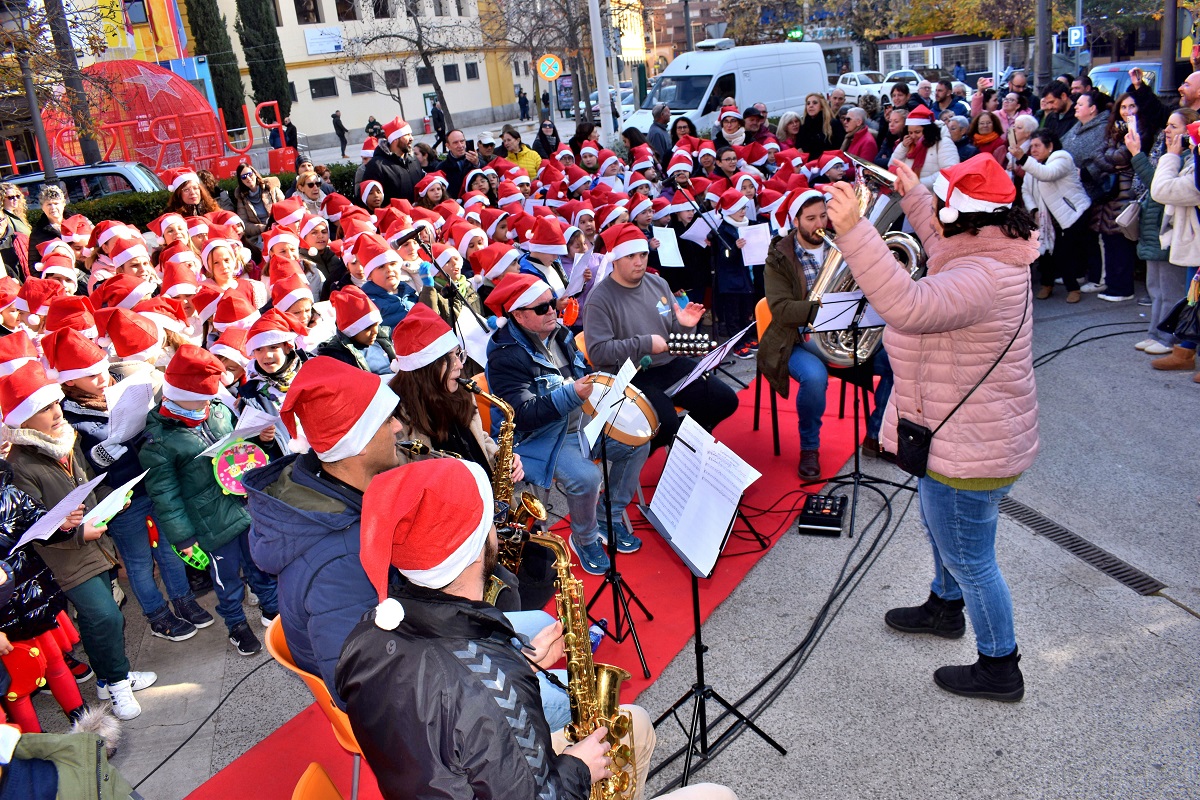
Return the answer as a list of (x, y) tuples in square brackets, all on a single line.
[(513, 532), (594, 689)]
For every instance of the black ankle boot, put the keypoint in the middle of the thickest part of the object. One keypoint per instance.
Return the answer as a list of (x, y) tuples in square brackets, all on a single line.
[(937, 616), (989, 677)]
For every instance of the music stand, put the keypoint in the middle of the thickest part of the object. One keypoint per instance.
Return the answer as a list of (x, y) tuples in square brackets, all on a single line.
[(856, 477), (701, 692)]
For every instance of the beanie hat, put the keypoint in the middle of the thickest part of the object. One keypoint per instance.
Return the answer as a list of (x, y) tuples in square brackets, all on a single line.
[(624, 240), (336, 408), (354, 311), (974, 186), (72, 355), (26, 392), (431, 520), (516, 291), (421, 338), (193, 374)]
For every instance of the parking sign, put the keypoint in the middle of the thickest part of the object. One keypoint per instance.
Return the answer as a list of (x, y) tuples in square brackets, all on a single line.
[(1076, 34)]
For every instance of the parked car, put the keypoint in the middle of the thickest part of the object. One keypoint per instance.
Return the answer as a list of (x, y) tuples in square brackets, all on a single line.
[(1113, 79), (627, 103), (856, 84), (91, 181), (914, 76)]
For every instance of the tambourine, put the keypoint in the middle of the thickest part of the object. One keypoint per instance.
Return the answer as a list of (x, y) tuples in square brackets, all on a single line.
[(235, 460), (570, 312), (636, 421)]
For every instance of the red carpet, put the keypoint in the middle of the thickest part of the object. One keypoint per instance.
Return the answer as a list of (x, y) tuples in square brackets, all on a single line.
[(270, 769)]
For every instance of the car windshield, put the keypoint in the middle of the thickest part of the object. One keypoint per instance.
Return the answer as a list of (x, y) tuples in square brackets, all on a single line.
[(680, 92), (871, 77), (148, 176), (934, 75)]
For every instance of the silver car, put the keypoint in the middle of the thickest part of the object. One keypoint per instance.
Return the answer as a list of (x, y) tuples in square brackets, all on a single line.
[(90, 181)]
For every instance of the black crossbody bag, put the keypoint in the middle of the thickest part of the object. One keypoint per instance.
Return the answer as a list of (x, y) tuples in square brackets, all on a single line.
[(913, 440)]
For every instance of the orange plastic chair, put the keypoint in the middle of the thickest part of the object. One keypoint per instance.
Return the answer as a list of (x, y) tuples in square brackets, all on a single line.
[(582, 346), (485, 405), (315, 784), (278, 648)]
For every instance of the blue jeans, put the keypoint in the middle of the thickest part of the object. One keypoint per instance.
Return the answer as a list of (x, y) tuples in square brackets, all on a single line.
[(962, 529), (128, 531), (883, 390), (555, 704), (228, 563), (581, 480), (808, 370)]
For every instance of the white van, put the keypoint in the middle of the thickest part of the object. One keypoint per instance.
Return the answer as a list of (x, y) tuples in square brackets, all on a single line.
[(694, 84)]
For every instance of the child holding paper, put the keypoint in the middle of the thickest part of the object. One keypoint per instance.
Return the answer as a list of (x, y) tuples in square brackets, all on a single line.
[(48, 461), (82, 371), (192, 508), (733, 305), (275, 360)]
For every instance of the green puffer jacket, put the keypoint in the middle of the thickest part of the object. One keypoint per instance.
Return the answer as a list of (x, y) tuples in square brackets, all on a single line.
[(189, 504), (1150, 219), (81, 762)]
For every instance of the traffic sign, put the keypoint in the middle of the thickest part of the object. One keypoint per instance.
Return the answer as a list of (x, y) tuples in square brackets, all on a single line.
[(1076, 36), (549, 67)]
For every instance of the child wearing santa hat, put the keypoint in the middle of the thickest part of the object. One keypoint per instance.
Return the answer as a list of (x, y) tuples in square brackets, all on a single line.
[(735, 281), (275, 360), (192, 507), (361, 340)]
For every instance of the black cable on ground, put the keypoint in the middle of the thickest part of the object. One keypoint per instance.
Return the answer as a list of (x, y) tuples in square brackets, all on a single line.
[(1047, 357), (204, 722)]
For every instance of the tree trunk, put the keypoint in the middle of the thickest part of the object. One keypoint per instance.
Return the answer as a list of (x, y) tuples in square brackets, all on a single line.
[(73, 81)]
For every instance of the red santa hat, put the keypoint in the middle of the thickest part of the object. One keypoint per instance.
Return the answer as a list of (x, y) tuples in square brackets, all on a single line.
[(972, 187), (462, 241), (353, 310), (133, 337), (429, 180), (367, 150), (680, 162), (165, 312), (472, 199), (180, 252), (72, 311), (751, 153), (26, 392), (309, 224), (430, 520), (607, 158), (428, 217), (643, 204), (105, 230), (232, 345), (125, 250), (72, 355), (577, 179), (490, 218), (335, 408), (399, 226), (278, 235), (517, 290), (662, 210), (288, 213), (355, 222), (642, 157), (520, 226), (193, 374), (395, 129), (35, 295), (519, 176), (624, 240), (273, 327), (442, 253), (507, 193), (175, 178), (729, 112), (234, 310), (205, 302), (547, 237), (225, 218), (77, 229), (421, 338), (732, 200), (706, 148), (492, 261), (124, 291), (160, 224), (449, 210), (921, 115), (589, 147), (830, 159), (289, 289), (197, 226), (8, 291), (563, 152), (373, 252), (637, 180), (365, 188), (61, 264), (607, 215), (333, 206), (792, 204), (16, 350)]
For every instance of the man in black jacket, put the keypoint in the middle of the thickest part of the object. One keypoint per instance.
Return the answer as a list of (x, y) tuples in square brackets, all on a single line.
[(458, 162), (340, 130), (438, 118), (439, 688), (394, 165)]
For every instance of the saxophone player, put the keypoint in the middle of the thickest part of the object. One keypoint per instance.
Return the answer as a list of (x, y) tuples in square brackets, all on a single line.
[(439, 689), (534, 365)]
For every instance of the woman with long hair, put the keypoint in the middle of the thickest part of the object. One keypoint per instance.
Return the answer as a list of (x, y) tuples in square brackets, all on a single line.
[(1120, 254), (987, 134), (584, 132), (252, 200), (14, 232), (819, 130), (960, 342), (191, 199), (547, 139), (15, 207), (788, 130)]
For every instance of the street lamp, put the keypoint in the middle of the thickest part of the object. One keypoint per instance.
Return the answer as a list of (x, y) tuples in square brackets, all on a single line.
[(12, 23)]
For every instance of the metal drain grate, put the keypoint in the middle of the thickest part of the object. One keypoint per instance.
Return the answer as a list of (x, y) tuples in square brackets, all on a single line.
[(1099, 558)]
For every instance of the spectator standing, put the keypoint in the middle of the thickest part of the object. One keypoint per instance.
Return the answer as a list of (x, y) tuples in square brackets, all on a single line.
[(1120, 254), (53, 205), (253, 199), (1019, 84), (902, 97), (859, 141), (394, 164), (1060, 109), (890, 135), (755, 121), (523, 104), (545, 104), (960, 72), (458, 162), (340, 130), (819, 131), (545, 144), (374, 128), (290, 136), (658, 136), (985, 135), (1085, 143), (958, 127), (944, 100), (438, 118)]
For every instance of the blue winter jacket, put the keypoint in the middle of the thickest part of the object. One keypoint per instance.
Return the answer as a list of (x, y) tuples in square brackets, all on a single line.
[(541, 396), (733, 276), (392, 307), (305, 530)]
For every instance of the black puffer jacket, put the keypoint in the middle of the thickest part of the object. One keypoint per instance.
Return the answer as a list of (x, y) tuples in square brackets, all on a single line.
[(445, 706), (36, 597)]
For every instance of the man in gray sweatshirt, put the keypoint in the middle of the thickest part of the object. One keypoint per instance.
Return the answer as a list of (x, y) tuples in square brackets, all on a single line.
[(630, 315)]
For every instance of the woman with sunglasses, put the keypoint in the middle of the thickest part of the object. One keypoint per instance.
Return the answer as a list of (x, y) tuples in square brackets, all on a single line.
[(14, 231), (253, 199), (547, 140), (308, 188), (15, 209)]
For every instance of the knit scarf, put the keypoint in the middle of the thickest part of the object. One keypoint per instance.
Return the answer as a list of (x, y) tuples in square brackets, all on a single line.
[(917, 154), (57, 447), (982, 139), (736, 139)]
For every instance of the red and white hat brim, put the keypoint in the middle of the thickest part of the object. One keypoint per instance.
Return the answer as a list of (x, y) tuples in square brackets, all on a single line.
[(355, 440), (741, 203), (529, 297), (501, 266), (244, 322), (137, 295), (640, 207), (11, 366), (630, 247), (364, 322), (383, 259), (548, 249), (99, 368), (268, 339), (805, 197), (236, 356), (286, 237), (294, 296), (960, 201), (446, 343), (130, 253), (403, 130), (366, 190), (62, 271), (467, 552), (171, 392), (31, 405), (183, 178), (182, 288)]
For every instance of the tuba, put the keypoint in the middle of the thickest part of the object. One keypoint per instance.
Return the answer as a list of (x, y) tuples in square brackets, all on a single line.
[(594, 689), (837, 347), (518, 521)]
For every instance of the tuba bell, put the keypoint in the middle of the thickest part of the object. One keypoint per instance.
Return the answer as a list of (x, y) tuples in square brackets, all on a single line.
[(837, 347)]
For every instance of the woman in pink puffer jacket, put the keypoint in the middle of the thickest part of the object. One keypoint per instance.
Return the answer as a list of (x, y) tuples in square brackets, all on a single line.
[(943, 333)]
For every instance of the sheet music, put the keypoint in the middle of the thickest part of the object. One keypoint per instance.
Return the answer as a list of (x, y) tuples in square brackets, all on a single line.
[(838, 310), (251, 423), (473, 335), (47, 525), (758, 242), (710, 361), (112, 505), (128, 403), (583, 262), (668, 247), (679, 475), (607, 406), (698, 232)]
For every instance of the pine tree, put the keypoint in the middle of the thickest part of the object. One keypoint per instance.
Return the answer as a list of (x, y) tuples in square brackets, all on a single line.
[(210, 37), (268, 74)]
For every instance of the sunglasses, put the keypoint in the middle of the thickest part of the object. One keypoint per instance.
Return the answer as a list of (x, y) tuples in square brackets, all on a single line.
[(547, 125), (541, 309), (312, 185), (245, 175), (12, 197)]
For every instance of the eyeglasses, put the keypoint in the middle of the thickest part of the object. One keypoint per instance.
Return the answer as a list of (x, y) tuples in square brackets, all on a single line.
[(311, 185), (460, 355), (12, 197), (541, 309)]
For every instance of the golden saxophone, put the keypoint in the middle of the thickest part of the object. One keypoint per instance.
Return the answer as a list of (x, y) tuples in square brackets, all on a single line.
[(519, 520), (837, 347), (594, 689)]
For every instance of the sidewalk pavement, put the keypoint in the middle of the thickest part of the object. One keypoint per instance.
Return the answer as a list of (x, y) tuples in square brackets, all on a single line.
[(1111, 703)]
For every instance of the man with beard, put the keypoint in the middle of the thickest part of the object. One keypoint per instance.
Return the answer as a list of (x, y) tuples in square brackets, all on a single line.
[(786, 351), (440, 690), (394, 165)]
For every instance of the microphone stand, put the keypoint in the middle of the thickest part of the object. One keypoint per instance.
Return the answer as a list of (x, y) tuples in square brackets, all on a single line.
[(455, 293)]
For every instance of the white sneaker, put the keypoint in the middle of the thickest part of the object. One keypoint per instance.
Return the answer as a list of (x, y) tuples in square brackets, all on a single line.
[(124, 706), (1156, 349), (1144, 343), (251, 597), (136, 680), (1092, 288), (118, 594), (1115, 298)]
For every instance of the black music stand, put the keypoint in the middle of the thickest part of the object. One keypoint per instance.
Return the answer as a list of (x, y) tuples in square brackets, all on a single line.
[(856, 477), (701, 692)]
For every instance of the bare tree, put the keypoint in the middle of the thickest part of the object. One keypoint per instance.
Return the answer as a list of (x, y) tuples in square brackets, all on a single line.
[(426, 29)]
